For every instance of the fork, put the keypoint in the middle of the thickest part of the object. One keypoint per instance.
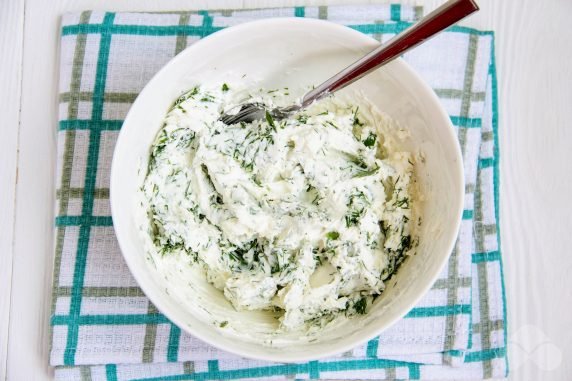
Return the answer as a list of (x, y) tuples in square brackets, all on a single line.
[(441, 18)]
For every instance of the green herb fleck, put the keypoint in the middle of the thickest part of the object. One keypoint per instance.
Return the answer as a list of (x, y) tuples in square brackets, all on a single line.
[(402, 203), (356, 121), (356, 208), (331, 124), (269, 119), (225, 87), (405, 242), (333, 235), (367, 172), (185, 139), (360, 306), (188, 95), (355, 159), (171, 246), (352, 218), (370, 140), (317, 199), (384, 227), (160, 143)]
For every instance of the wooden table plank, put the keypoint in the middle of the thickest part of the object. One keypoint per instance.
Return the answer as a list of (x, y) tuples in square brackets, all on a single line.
[(535, 70), (11, 37)]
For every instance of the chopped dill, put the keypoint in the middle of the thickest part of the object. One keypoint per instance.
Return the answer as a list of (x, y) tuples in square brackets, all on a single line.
[(269, 119), (384, 227), (370, 140), (366, 172), (356, 121), (331, 124), (302, 118), (402, 203), (360, 306), (187, 95), (333, 235)]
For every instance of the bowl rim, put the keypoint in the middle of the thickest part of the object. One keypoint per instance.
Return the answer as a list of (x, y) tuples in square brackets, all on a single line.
[(287, 357)]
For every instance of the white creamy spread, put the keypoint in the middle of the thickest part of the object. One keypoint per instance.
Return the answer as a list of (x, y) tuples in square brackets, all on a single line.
[(305, 217)]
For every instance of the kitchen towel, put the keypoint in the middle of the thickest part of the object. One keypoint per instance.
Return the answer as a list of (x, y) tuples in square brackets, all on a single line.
[(103, 326)]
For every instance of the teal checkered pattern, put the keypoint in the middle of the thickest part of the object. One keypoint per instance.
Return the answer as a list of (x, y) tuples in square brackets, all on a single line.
[(103, 326)]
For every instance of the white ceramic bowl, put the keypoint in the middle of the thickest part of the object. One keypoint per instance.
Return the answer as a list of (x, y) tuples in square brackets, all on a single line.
[(296, 52)]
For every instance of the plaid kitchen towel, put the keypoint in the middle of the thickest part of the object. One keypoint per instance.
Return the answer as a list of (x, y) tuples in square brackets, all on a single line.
[(103, 326)]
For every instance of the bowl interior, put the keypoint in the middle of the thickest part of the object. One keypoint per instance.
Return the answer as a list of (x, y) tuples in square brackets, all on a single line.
[(295, 53)]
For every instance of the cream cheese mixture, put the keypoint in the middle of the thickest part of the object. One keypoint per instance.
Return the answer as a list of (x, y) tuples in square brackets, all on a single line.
[(306, 217)]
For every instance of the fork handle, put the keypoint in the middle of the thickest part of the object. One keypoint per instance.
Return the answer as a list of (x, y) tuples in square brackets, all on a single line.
[(441, 18)]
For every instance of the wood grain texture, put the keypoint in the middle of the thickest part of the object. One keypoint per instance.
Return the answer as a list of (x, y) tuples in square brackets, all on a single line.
[(535, 71), (33, 229), (11, 35), (534, 50)]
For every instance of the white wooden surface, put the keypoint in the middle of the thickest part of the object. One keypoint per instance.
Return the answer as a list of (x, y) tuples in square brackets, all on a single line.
[(534, 50), (11, 23)]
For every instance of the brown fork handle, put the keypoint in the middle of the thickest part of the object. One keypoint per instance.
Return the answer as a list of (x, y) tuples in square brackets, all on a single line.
[(441, 18)]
